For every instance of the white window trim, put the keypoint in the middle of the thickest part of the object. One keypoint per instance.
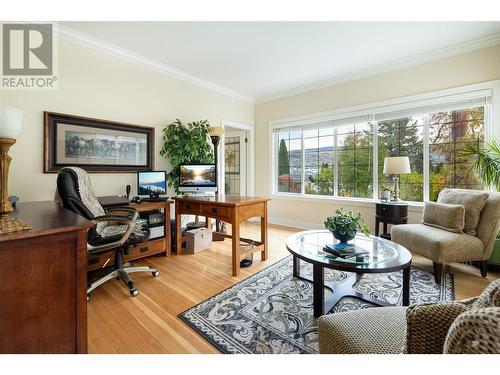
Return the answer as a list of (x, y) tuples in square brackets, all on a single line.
[(453, 95)]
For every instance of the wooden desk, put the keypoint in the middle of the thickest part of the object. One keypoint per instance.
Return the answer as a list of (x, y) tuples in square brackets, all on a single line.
[(231, 209), (43, 282), (144, 249)]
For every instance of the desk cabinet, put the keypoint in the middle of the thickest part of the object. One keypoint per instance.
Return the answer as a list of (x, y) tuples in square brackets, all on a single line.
[(157, 246), (43, 282)]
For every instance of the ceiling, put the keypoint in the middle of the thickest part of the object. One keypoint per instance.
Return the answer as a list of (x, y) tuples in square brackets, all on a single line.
[(262, 60)]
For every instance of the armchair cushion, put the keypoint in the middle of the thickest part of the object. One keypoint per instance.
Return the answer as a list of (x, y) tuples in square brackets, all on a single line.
[(476, 331), (428, 325), (450, 217), (490, 297), (378, 330), (436, 244), (472, 200)]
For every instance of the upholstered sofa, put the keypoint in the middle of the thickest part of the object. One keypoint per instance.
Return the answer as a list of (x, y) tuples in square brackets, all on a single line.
[(470, 326), (442, 246)]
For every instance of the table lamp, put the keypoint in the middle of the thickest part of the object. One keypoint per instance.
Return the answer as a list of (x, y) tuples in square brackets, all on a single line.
[(396, 165), (10, 127)]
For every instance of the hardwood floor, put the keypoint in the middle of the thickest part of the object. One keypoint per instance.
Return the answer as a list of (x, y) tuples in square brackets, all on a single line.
[(118, 323)]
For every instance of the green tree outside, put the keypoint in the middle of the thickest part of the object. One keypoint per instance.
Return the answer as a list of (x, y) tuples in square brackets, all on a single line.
[(283, 162)]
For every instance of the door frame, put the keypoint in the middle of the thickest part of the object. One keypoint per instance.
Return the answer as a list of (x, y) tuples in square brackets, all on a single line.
[(241, 134), (250, 171)]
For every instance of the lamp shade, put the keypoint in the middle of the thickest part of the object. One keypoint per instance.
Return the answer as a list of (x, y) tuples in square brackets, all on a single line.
[(217, 131), (10, 122), (397, 165)]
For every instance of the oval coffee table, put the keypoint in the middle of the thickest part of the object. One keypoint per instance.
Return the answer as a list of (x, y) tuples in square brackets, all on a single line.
[(383, 256)]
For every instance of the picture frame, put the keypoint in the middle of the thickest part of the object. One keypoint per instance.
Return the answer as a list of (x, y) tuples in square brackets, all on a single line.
[(98, 146)]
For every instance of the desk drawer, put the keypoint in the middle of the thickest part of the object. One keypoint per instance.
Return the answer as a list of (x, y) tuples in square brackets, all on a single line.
[(95, 262), (145, 249), (219, 212), (391, 211), (189, 207)]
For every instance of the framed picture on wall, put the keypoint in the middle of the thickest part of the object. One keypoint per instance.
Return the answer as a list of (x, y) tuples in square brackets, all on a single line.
[(96, 145)]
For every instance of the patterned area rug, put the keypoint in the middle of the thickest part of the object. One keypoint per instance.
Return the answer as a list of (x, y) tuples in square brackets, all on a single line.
[(271, 312)]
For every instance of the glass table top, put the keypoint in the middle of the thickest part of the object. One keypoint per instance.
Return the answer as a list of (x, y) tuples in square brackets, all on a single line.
[(311, 245)]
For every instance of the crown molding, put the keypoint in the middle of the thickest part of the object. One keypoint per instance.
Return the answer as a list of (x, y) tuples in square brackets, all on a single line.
[(457, 49), (85, 40)]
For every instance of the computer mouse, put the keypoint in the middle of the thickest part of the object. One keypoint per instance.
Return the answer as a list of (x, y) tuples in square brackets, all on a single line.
[(136, 200)]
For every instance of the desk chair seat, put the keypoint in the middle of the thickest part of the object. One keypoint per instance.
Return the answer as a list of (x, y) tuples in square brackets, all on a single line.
[(115, 228)]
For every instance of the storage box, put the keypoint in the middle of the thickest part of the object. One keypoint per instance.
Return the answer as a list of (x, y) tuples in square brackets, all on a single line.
[(156, 232), (198, 240)]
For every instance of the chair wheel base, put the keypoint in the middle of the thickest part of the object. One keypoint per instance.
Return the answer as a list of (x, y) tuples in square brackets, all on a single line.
[(88, 297), (134, 292), (155, 273)]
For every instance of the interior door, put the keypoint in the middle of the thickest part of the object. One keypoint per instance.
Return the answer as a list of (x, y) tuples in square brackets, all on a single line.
[(235, 161)]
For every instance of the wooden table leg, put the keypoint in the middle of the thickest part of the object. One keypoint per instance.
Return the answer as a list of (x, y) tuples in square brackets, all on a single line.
[(263, 234), (168, 235), (235, 241), (406, 286), (178, 233), (318, 290), (296, 266)]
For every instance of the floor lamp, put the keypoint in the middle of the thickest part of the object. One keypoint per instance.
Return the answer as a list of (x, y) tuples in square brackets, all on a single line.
[(215, 135), (10, 127)]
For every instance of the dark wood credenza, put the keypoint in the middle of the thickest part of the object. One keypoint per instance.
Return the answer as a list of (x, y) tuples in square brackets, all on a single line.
[(43, 282)]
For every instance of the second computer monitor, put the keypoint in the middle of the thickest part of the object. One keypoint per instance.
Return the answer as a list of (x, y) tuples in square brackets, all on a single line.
[(197, 178)]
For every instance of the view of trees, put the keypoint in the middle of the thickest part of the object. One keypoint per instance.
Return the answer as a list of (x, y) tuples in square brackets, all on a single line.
[(402, 137), (448, 132)]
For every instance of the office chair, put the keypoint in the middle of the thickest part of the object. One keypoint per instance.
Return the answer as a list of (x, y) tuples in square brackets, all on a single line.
[(115, 228)]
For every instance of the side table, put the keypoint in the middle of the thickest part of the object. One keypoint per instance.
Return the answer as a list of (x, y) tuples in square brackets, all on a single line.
[(390, 213)]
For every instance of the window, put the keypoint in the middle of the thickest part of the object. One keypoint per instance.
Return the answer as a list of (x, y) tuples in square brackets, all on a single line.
[(403, 137), (319, 161), (355, 155), (448, 132), (336, 158), (289, 161)]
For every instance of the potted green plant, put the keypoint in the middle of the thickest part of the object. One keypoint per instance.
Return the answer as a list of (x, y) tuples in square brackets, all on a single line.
[(487, 164), (184, 144), (345, 225)]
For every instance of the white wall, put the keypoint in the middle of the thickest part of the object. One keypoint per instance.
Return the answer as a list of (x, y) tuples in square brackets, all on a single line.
[(478, 66), (97, 85)]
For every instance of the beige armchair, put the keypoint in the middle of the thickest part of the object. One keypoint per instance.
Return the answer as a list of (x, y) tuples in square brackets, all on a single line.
[(462, 327), (442, 246)]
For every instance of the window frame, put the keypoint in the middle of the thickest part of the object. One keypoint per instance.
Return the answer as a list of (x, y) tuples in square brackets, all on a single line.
[(490, 91)]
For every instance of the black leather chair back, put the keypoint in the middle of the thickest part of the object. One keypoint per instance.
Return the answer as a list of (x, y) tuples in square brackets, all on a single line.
[(67, 186)]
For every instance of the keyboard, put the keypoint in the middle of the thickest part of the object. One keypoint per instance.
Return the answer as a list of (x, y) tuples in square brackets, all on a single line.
[(161, 199)]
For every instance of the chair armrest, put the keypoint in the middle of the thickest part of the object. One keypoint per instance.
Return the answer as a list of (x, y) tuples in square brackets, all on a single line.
[(112, 245), (428, 325), (130, 212), (468, 301), (378, 330)]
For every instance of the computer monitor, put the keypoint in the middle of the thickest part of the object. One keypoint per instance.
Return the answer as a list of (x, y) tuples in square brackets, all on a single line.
[(197, 178), (153, 184)]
